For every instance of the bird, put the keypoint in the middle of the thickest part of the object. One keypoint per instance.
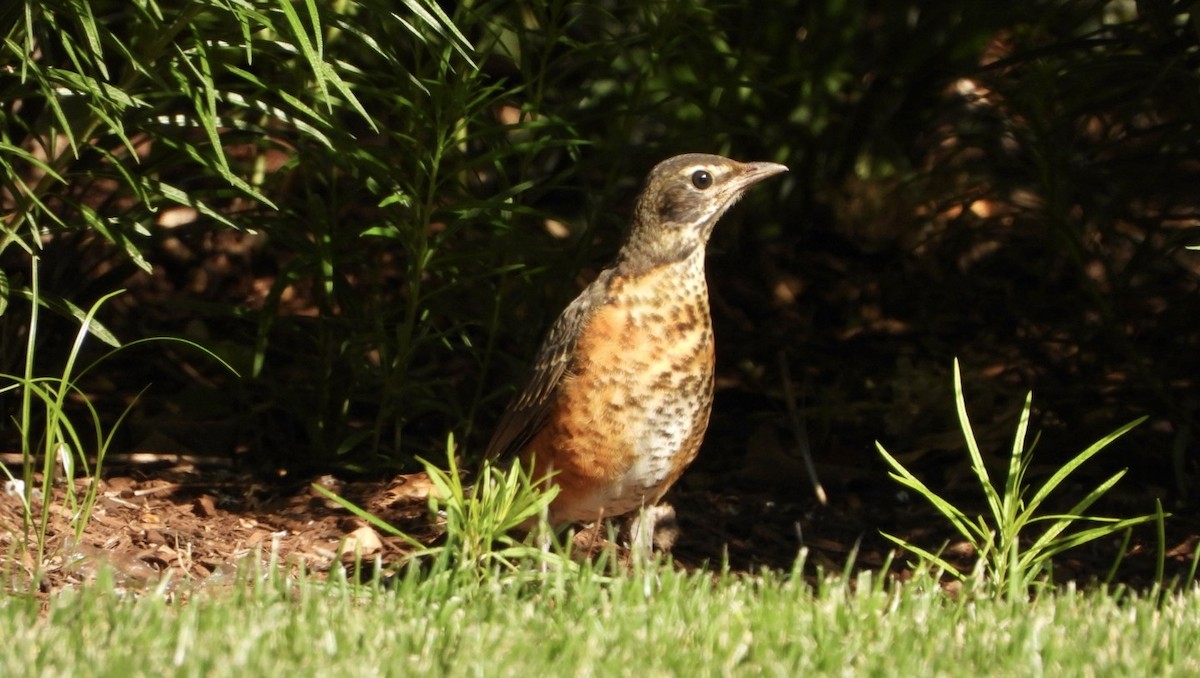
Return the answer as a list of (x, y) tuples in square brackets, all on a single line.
[(622, 386)]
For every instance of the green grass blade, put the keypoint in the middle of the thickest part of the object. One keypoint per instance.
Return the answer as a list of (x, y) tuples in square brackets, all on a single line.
[(977, 465), (1084, 536), (67, 309), (925, 555), (1069, 468), (960, 521), (88, 22), (311, 48), (371, 518), (433, 16), (1013, 481), (1160, 529), (1076, 512), (1122, 550), (305, 45), (1191, 578)]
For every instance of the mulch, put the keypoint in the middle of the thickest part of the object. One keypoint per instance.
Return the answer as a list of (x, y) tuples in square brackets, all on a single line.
[(180, 522)]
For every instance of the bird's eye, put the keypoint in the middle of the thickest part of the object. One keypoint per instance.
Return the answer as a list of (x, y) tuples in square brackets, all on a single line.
[(701, 179)]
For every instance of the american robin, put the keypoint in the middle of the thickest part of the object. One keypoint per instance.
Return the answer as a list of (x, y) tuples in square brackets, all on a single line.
[(623, 383)]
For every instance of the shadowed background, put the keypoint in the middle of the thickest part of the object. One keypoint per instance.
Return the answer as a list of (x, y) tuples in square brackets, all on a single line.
[(375, 212)]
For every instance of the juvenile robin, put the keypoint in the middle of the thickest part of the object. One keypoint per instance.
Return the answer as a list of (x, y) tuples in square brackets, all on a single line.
[(622, 386)]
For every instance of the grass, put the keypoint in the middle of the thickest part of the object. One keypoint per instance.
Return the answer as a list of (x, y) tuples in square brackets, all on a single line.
[(48, 435), (660, 622), (408, 211), (1011, 560), (59, 446), (479, 519)]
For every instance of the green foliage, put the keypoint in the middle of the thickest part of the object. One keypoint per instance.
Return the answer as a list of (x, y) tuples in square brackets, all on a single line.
[(387, 171), (50, 436), (118, 113), (481, 517), (479, 520), (68, 448), (1011, 561)]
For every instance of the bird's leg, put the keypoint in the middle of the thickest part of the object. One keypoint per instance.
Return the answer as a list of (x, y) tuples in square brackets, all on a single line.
[(653, 526)]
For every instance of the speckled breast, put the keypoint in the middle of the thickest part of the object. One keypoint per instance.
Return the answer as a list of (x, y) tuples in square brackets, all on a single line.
[(634, 405)]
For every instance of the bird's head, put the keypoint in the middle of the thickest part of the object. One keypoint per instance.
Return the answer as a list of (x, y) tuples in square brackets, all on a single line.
[(682, 200)]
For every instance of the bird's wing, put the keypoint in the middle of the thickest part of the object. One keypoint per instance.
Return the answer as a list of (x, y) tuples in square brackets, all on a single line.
[(527, 413)]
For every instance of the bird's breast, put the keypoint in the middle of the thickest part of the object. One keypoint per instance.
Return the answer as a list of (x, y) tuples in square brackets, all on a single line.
[(634, 405)]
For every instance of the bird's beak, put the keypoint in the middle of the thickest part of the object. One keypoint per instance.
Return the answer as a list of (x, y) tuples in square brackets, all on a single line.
[(753, 172), (748, 174)]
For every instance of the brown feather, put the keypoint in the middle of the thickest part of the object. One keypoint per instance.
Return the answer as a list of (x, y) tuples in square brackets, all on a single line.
[(526, 415)]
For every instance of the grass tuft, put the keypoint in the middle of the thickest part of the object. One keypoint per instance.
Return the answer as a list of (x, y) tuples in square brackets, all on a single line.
[(1011, 560), (480, 521), (59, 449)]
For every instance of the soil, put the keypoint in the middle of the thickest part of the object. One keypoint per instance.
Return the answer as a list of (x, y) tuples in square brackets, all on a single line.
[(193, 522)]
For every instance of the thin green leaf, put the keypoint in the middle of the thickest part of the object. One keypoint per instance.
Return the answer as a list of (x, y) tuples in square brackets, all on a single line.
[(305, 44), (1016, 465), (371, 518), (977, 464), (927, 556), (442, 24), (1069, 468), (324, 72), (65, 308), (181, 197), (1084, 536), (92, 33), (958, 518), (1076, 511), (32, 159)]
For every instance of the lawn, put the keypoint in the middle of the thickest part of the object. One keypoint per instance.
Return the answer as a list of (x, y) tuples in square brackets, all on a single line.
[(659, 621)]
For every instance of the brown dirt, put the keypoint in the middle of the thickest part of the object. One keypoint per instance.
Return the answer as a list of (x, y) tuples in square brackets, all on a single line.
[(171, 515), (165, 514)]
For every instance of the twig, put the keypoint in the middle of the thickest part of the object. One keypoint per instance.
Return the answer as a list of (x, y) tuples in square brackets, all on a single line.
[(800, 430)]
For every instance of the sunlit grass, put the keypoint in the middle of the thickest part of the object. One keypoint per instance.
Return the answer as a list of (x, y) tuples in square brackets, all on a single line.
[(1017, 537), (659, 622)]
